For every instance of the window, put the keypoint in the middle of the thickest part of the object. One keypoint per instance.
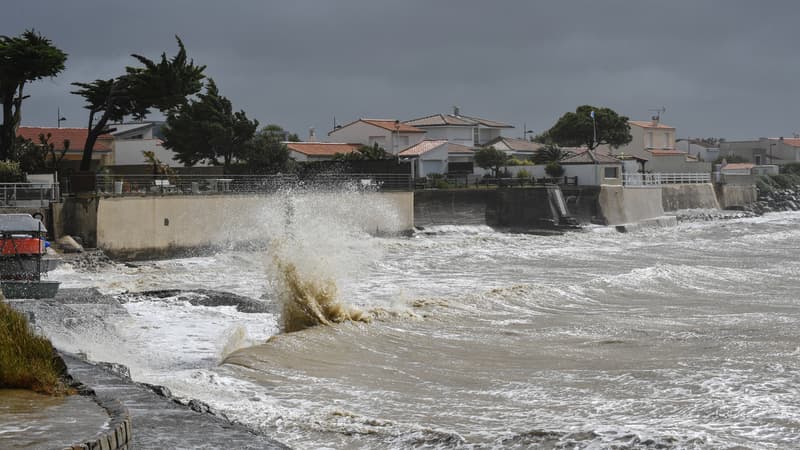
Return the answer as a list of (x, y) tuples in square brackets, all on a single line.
[(611, 172), (666, 140), (649, 142), (476, 136), (758, 160)]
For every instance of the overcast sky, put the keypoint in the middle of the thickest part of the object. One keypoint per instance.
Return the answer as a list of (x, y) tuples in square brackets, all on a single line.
[(724, 68)]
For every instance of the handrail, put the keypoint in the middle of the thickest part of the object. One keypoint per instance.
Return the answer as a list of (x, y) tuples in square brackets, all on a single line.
[(658, 178), (28, 194)]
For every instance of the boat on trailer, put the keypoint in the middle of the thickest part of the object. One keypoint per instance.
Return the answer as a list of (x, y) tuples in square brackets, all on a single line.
[(23, 258)]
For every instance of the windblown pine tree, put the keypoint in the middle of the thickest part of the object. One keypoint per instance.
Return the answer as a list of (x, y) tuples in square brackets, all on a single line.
[(164, 86), (578, 129)]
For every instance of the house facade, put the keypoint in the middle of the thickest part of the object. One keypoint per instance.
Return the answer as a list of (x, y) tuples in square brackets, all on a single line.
[(459, 129), (654, 142), (700, 149), (593, 169), (391, 135), (763, 151), (132, 139), (436, 156)]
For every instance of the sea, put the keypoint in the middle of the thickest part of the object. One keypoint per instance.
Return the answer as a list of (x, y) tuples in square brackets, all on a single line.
[(467, 337)]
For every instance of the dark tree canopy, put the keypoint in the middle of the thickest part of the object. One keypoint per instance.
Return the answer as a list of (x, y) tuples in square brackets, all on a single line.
[(365, 153), (164, 86), (208, 130), (266, 153), (491, 158), (549, 153), (25, 58), (577, 129)]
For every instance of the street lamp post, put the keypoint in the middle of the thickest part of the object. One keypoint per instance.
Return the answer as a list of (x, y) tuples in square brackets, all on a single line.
[(594, 128), (771, 144), (60, 119)]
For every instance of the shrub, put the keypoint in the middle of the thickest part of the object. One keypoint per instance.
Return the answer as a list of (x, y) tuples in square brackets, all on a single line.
[(519, 162), (27, 361), (554, 169), (791, 168), (10, 172), (785, 181), (523, 174)]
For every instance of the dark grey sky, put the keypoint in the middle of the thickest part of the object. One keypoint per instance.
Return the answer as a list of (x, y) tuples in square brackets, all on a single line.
[(722, 68)]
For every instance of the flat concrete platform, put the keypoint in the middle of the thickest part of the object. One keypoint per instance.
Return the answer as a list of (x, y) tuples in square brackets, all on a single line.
[(158, 422)]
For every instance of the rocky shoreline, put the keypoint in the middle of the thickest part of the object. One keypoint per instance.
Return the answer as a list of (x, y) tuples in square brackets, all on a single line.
[(776, 200)]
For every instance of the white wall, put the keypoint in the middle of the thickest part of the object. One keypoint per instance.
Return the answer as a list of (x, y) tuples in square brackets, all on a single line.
[(367, 134), (129, 152), (457, 135), (434, 161)]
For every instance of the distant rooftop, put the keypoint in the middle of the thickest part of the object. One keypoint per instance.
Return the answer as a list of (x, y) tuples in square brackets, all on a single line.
[(456, 119), (321, 148)]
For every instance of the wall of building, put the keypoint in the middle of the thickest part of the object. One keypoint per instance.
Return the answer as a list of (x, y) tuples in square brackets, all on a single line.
[(367, 134), (458, 135), (132, 227), (129, 151), (621, 205), (688, 196)]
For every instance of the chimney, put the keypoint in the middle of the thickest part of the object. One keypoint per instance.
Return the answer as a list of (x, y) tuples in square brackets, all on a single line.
[(655, 120), (456, 111), (311, 137)]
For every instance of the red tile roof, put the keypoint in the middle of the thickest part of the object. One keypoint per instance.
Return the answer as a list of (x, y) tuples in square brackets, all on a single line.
[(455, 149), (76, 136), (738, 166), (391, 125), (590, 157), (321, 148), (650, 124), (423, 147), (792, 142), (666, 152)]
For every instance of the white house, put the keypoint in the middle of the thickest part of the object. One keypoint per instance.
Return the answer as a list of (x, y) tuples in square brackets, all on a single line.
[(434, 156), (516, 148), (318, 151), (593, 168), (134, 138), (763, 151), (654, 142), (392, 135), (700, 149), (459, 129)]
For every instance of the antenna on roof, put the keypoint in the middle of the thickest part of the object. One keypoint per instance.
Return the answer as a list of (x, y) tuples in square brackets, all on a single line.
[(658, 112)]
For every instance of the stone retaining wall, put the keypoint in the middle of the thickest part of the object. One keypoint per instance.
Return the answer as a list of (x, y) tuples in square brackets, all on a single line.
[(119, 436)]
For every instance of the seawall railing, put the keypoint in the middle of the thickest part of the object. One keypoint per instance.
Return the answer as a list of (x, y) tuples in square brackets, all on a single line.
[(658, 179), (233, 184), (27, 195)]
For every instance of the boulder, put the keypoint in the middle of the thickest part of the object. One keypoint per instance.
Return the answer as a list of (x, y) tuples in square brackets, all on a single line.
[(68, 245)]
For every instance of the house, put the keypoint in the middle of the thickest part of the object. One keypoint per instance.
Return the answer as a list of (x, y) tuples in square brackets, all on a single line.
[(459, 129), (101, 152), (593, 168), (515, 148), (391, 135), (131, 140), (318, 151), (702, 150), (438, 156), (763, 151), (654, 142)]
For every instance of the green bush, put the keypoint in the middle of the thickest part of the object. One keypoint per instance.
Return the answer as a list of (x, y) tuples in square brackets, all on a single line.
[(523, 174), (519, 162), (791, 168), (554, 169), (10, 172), (27, 361)]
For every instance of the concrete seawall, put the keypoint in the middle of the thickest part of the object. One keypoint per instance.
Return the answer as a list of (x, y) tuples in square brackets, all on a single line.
[(621, 205), (734, 196), (146, 226), (688, 196)]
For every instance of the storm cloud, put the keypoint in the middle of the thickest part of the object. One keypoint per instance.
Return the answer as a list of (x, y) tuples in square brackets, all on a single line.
[(720, 68)]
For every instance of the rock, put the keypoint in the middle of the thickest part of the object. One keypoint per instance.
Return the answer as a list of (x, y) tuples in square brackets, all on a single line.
[(69, 245)]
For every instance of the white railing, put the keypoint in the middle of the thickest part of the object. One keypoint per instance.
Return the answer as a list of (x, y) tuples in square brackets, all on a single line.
[(28, 194), (657, 179)]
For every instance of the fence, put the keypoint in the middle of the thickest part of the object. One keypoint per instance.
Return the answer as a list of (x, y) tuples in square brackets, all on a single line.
[(205, 184), (27, 195), (657, 179)]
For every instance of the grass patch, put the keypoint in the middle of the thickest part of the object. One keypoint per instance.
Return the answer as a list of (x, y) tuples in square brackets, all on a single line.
[(27, 361)]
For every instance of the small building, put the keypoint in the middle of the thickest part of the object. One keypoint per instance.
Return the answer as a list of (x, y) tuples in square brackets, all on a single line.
[(593, 168), (469, 131), (318, 151), (515, 148), (698, 148), (763, 151), (391, 135), (654, 142), (438, 156)]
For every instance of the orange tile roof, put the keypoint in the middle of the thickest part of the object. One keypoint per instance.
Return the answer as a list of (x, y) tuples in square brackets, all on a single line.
[(792, 142), (458, 149), (649, 124), (76, 136), (423, 147), (392, 125), (666, 152), (738, 166), (321, 148)]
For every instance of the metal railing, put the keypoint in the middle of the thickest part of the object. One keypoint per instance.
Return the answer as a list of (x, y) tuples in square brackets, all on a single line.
[(658, 179), (234, 184), (28, 194)]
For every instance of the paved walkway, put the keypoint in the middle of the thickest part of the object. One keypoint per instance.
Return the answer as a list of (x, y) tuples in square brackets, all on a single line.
[(160, 423)]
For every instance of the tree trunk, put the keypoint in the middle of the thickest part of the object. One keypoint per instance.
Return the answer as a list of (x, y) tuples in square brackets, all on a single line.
[(7, 127), (91, 139)]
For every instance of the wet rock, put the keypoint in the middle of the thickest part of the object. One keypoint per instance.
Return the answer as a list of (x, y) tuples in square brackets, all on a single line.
[(204, 297), (68, 244)]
